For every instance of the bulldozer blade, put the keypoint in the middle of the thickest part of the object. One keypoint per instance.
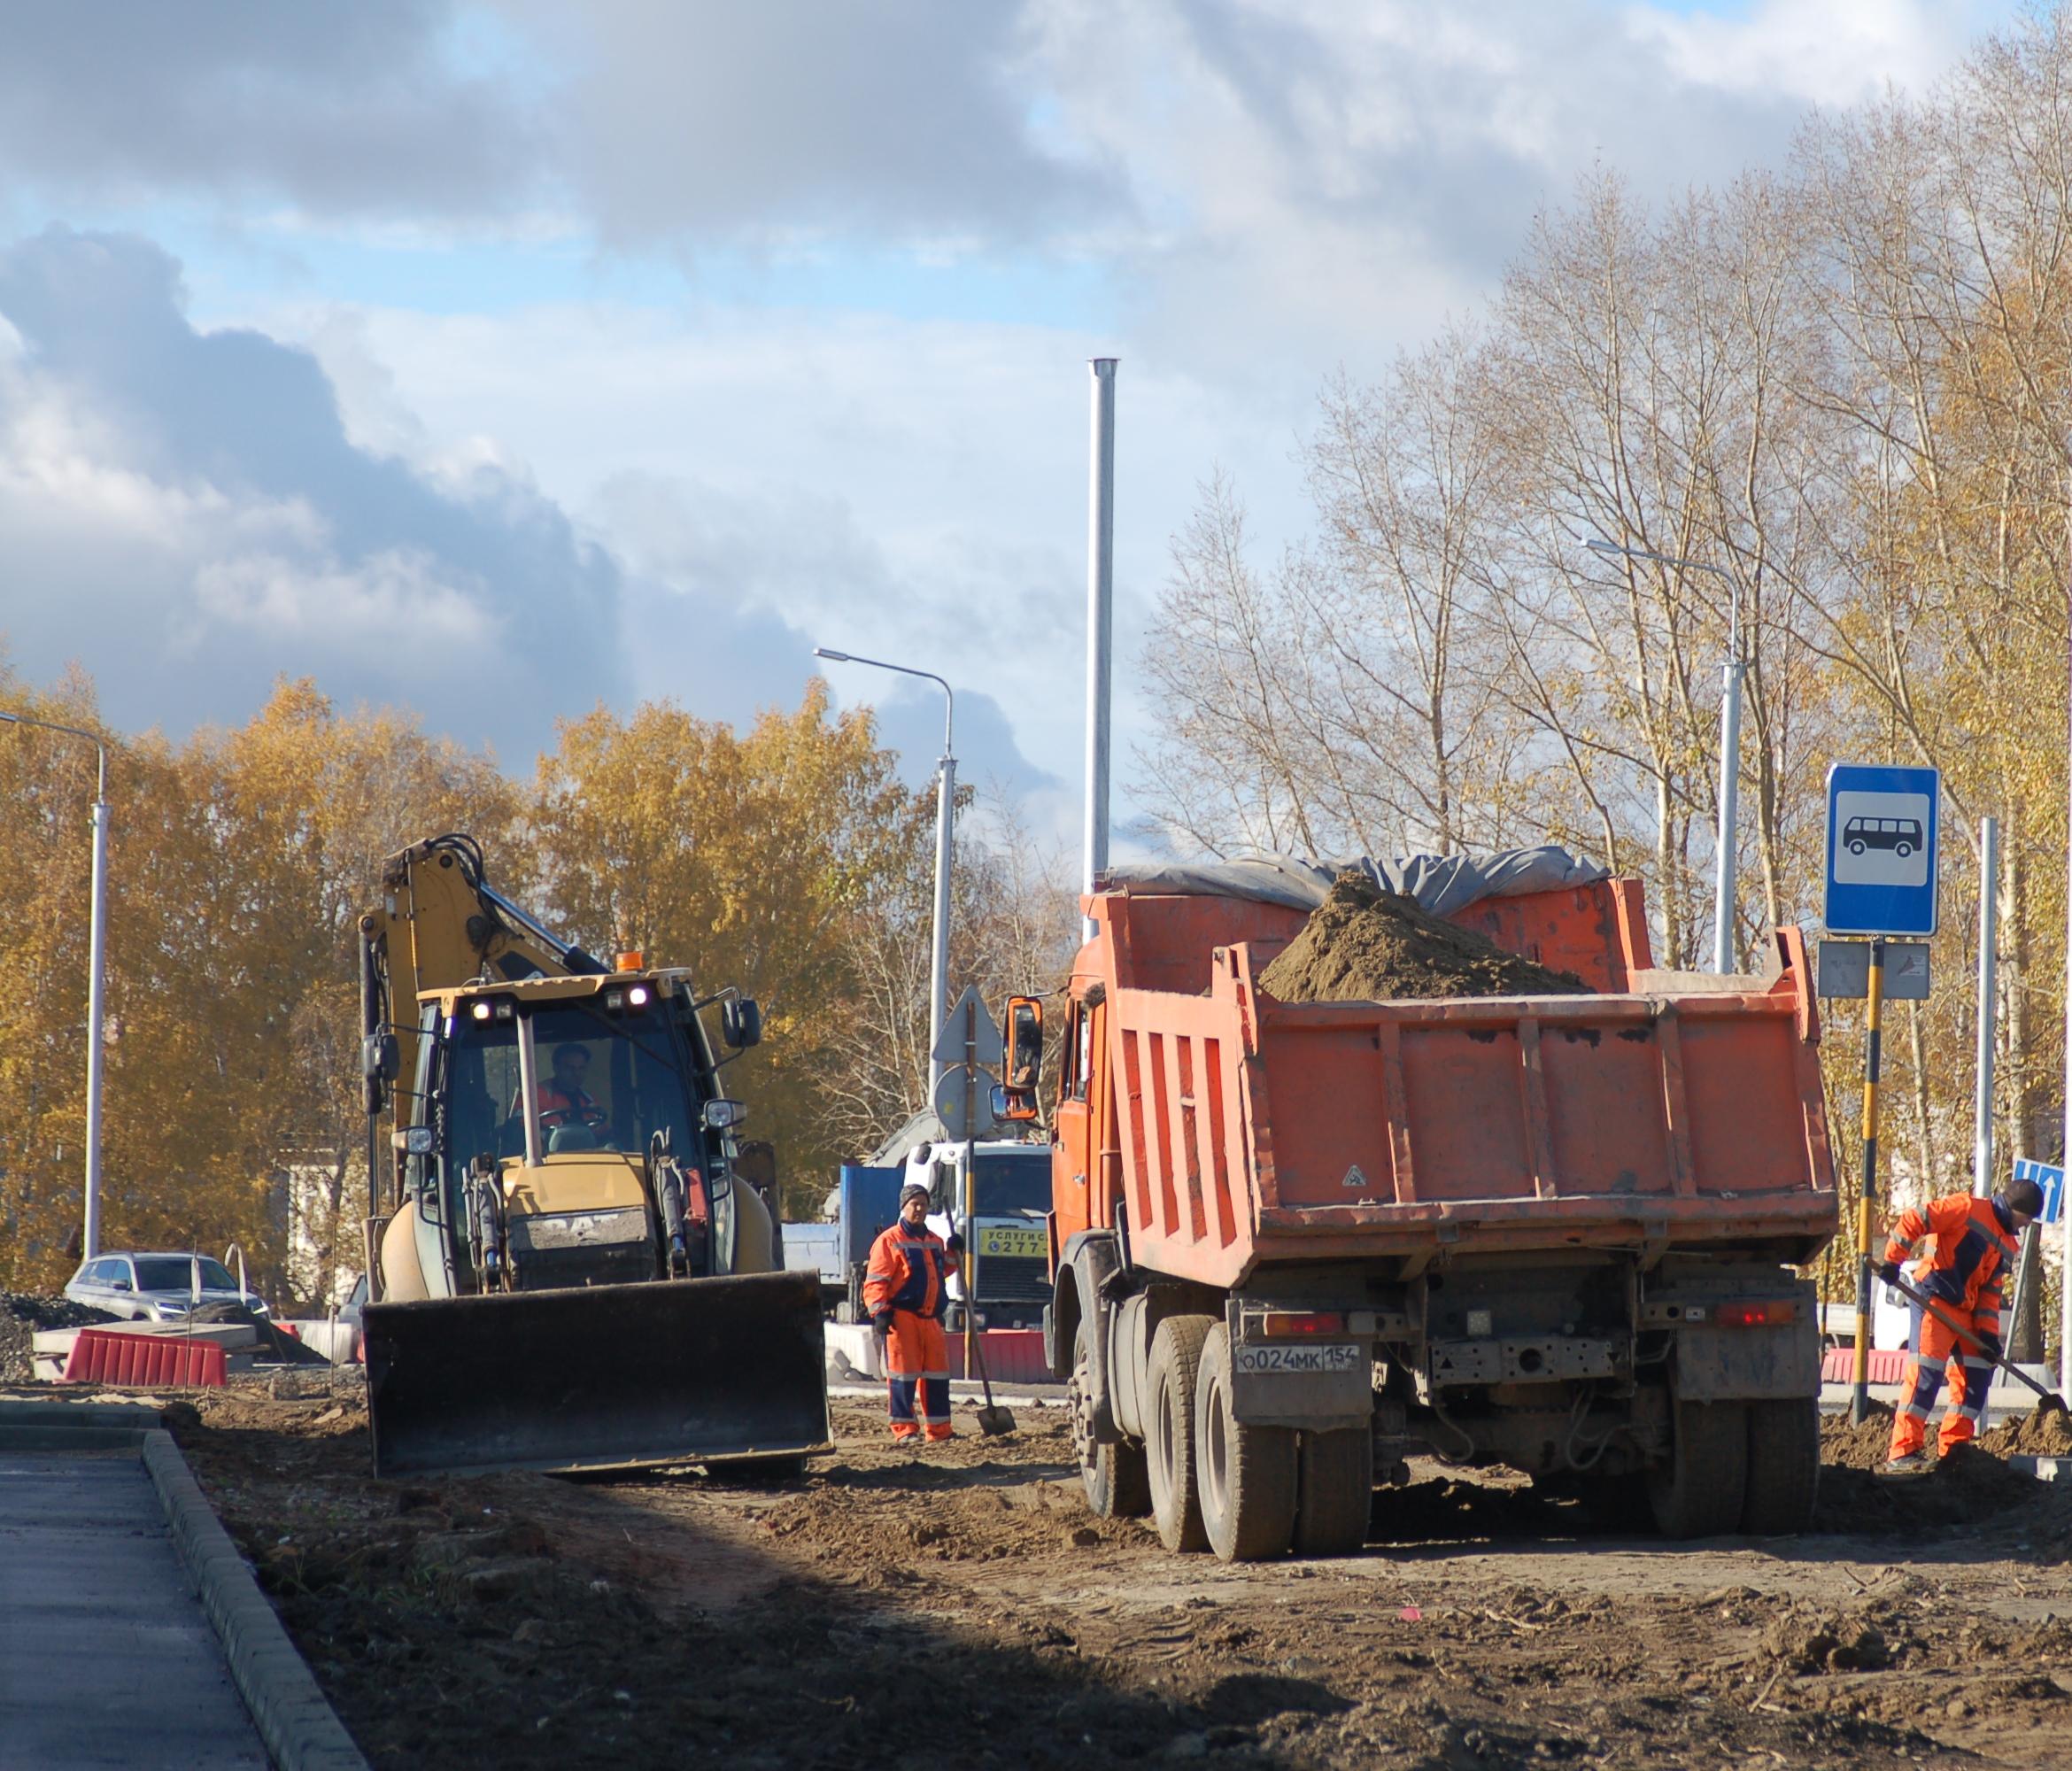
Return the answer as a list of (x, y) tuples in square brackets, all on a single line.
[(601, 1377)]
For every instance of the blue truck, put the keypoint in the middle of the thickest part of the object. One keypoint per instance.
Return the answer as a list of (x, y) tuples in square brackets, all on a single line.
[(1012, 1186)]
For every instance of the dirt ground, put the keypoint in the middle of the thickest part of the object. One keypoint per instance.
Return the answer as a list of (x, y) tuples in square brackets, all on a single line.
[(1365, 944), (960, 1607)]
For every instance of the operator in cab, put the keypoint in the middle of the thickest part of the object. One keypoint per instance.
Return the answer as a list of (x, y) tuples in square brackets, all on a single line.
[(563, 1100), (905, 1284), (1961, 1248)]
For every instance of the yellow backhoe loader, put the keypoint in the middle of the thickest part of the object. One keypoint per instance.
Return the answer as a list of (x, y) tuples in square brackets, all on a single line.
[(572, 1274)]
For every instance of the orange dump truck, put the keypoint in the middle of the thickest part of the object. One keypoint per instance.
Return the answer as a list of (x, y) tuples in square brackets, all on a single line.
[(1294, 1243)]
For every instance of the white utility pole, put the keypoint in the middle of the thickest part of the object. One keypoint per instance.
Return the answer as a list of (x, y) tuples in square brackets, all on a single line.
[(96, 950), (1099, 624), (1729, 747), (945, 800), (1982, 1120)]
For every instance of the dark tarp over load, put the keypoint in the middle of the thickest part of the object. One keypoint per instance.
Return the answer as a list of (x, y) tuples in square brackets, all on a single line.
[(1440, 883)]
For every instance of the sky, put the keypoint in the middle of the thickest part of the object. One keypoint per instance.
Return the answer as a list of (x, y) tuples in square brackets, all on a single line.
[(500, 358)]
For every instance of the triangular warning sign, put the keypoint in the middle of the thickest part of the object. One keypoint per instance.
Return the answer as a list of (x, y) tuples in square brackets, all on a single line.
[(1353, 1178)]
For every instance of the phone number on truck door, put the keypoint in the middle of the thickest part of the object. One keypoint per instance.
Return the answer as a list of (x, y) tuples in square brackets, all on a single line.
[(1272, 1358)]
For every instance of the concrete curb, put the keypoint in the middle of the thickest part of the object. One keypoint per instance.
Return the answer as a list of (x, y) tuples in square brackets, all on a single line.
[(301, 1730)]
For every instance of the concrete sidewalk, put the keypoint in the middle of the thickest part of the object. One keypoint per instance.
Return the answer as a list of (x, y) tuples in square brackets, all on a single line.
[(106, 1656)]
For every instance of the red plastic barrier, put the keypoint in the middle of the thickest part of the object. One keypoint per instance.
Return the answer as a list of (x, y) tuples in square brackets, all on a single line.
[(109, 1356), (1887, 1366), (1011, 1355)]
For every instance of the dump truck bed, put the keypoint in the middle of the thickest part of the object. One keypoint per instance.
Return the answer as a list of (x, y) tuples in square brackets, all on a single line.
[(1253, 1131)]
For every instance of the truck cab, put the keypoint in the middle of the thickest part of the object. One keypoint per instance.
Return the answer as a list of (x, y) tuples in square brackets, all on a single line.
[(1006, 1233)]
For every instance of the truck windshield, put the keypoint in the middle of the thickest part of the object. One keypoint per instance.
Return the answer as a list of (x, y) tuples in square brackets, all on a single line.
[(604, 1082), (1017, 1181)]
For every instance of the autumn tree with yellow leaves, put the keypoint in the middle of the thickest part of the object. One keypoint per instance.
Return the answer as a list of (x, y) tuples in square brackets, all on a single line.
[(241, 860)]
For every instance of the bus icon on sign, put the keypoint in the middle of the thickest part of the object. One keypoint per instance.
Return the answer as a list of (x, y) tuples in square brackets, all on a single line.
[(1902, 836)]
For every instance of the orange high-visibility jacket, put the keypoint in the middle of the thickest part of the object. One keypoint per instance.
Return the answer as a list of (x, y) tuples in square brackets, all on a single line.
[(1974, 1248), (906, 1272)]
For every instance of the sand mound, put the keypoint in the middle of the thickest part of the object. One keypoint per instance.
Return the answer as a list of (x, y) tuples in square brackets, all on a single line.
[(2045, 1432), (1365, 944)]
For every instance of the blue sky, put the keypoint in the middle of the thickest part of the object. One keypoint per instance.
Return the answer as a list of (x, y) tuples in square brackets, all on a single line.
[(725, 331)]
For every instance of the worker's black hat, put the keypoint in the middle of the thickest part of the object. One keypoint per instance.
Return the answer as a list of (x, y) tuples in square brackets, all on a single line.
[(2024, 1197)]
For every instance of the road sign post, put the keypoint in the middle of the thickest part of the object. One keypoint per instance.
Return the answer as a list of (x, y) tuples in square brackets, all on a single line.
[(963, 1102), (1875, 997), (1882, 825)]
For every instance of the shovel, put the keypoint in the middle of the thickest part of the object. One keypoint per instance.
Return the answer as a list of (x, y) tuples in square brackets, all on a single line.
[(991, 1420), (1971, 1342)]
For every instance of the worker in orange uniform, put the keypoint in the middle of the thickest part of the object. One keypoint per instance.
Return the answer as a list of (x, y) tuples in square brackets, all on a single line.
[(904, 1289), (1962, 1248)]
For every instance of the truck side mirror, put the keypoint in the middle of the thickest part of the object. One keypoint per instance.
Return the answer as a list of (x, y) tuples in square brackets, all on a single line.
[(1022, 1036), (741, 1021)]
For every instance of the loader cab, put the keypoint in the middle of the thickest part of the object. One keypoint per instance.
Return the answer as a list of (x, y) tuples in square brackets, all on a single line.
[(561, 1086)]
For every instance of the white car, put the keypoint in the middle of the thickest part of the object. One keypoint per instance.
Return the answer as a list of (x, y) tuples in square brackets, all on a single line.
[(156, 1287)]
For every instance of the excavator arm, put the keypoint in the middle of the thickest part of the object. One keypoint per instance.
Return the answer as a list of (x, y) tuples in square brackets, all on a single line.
[(439, 924)]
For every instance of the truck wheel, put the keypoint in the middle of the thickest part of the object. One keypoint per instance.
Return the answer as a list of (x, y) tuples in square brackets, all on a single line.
[(1169, 1430), (1697, 1490), (1246, 1474), (1335, 1491), (1117, 1484), (1784, 1467)]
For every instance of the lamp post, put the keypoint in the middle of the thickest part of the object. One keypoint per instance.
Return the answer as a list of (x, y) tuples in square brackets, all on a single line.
[(1729, 745), (945, 792), (96, 945)]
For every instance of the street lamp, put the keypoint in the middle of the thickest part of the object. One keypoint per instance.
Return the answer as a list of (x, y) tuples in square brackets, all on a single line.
[(1730, 744), (96, 945), (945, 792)]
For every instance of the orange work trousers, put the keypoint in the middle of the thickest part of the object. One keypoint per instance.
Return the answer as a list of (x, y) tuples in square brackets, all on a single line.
[(917, 1359), (1934, 1346)]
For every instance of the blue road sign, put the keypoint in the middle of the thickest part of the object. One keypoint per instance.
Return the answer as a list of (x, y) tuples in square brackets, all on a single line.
[(1881, 828), (2050, 1179)]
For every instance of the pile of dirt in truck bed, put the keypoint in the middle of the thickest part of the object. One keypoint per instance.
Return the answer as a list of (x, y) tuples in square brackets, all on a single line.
[(26, 1314), (1365, 944)]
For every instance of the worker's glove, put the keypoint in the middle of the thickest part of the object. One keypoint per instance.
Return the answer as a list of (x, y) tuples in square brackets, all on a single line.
[(955, 1245), (1992, 1346), (881, 1322), (1889, 1273)]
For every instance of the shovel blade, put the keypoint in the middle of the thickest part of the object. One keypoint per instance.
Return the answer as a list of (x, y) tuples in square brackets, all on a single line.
[(995, 1420)]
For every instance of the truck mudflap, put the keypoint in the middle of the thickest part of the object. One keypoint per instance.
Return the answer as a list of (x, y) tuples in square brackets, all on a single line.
[(602, 1378)]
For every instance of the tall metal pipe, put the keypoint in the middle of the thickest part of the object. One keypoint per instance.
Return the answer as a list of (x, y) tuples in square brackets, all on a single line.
[(1100, 623), (2065, 1153), (1981, 1122), (946, 800), (1729, 806), (96, 1043)]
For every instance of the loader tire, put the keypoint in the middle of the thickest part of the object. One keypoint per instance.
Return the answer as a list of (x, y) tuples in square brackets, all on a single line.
[(1246, 1474), (1116, 1480), (1169, 1431), (1335, 1491), (1784, 1467), (1698, 1489)]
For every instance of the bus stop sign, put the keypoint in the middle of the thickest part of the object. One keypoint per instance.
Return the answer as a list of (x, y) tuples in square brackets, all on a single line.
[(1881, 829)]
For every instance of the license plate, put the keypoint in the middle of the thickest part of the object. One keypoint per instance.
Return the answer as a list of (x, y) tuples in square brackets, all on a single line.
[(1274, 1358), (1013, 1240)]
